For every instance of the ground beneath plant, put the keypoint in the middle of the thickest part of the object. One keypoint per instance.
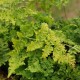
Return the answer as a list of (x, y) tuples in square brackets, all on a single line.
[(72, 10)]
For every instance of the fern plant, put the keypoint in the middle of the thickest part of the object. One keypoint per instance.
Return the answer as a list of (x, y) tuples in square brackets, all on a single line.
[(29, 44)]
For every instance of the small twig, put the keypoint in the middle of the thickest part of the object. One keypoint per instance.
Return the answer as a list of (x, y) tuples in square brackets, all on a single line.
[(65, 12)]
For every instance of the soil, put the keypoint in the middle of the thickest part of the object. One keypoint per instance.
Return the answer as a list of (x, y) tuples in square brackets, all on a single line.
[(72, 10)]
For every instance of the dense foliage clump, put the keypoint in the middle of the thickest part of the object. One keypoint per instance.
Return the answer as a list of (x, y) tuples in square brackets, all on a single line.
[(35, 45)]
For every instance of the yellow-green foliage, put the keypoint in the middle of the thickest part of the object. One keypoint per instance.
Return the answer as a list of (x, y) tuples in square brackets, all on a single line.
[(30, 46)]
